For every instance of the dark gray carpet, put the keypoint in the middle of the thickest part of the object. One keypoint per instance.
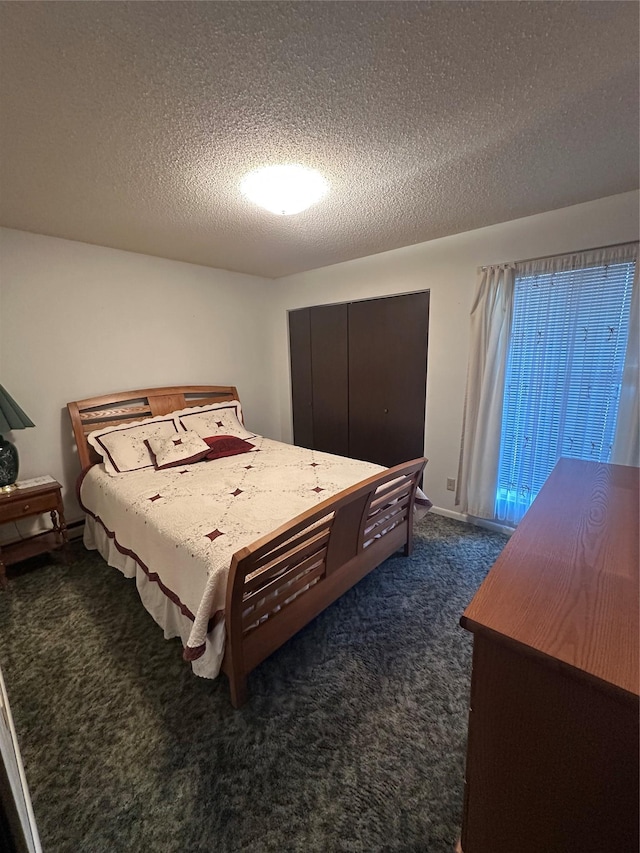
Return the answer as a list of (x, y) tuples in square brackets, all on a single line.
[(353, 738)]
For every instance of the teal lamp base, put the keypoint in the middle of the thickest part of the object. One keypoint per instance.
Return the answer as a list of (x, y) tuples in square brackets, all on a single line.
[(8, 465)]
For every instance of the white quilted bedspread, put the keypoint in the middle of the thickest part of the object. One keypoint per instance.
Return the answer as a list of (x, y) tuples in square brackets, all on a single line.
[(185, 523)]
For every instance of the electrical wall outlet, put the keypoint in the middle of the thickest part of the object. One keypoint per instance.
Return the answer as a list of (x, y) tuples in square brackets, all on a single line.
[(451, 484)]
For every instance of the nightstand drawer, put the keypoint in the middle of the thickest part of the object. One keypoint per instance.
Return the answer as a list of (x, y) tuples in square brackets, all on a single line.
[(27, 506)]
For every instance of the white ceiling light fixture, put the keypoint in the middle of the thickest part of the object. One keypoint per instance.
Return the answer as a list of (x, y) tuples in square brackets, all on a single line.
[(284, 189)]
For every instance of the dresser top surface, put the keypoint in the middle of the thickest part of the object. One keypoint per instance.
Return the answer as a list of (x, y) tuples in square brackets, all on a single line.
[(566, 584)]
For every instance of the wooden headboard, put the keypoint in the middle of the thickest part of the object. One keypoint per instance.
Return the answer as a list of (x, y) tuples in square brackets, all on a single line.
[(126, 406)]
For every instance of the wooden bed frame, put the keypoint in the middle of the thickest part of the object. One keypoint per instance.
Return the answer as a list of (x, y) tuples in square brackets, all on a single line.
[(279, 583)]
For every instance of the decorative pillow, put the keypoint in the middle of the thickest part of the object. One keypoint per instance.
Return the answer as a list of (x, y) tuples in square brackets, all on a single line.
[(216, 419), (123, 447), (177, 449), (226, 445)]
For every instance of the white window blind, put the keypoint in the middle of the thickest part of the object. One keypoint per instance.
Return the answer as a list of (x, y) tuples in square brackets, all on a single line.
[(563, 376)]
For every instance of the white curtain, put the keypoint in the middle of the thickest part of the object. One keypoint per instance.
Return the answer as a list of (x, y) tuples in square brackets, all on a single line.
[(626, 444), (480, 451)]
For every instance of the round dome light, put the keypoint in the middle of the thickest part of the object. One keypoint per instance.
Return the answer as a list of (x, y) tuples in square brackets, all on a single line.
[(284, 189)]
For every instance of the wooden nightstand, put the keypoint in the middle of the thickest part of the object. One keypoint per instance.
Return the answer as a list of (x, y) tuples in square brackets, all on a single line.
[(24, 503)]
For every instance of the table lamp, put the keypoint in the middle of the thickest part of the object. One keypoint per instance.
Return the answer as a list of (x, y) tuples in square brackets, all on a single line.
[(11, 417)]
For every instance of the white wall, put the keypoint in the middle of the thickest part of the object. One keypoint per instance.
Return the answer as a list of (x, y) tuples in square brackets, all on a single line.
[(446, 267), (79, 320)]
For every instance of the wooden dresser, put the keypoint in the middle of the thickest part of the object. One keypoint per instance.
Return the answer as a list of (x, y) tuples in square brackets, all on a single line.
[(552, 756)]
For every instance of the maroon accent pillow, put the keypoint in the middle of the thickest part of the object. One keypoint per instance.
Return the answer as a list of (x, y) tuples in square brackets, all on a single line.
[(226, 445)]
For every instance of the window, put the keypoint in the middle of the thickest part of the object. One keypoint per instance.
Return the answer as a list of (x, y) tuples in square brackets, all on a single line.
[(563, 375)]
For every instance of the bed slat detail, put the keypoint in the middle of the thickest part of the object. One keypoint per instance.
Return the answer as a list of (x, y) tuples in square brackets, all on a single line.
[(281, 597), (306, 536), (386, 516), (388, 496), (283, 539), (385, 512), (384, 531), (392, 506), (89, 428), (278, 601), (190, 402), (308, 547), (283, 578), (385, 523), (139, 412)]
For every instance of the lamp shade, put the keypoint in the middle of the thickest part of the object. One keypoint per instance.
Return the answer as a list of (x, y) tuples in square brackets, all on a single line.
[(11, 415)]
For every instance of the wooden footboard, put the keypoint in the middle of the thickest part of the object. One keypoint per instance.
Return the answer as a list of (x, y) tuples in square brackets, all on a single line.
[(281, 582)]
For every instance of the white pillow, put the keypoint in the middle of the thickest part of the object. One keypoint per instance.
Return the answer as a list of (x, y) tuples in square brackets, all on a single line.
[(123, 447), (177, 449), (215, 419)]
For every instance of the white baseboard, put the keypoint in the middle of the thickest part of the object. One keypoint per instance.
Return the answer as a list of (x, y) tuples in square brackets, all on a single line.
[(470, 519), (75, 529), (449, 513)]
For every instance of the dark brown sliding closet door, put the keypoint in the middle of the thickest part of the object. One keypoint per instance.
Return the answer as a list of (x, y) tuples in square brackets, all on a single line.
[(358, 377), (387, 377), (330, 378), (301, 378)]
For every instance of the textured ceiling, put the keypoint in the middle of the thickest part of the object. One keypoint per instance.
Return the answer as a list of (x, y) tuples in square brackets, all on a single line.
[(130, 124)]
